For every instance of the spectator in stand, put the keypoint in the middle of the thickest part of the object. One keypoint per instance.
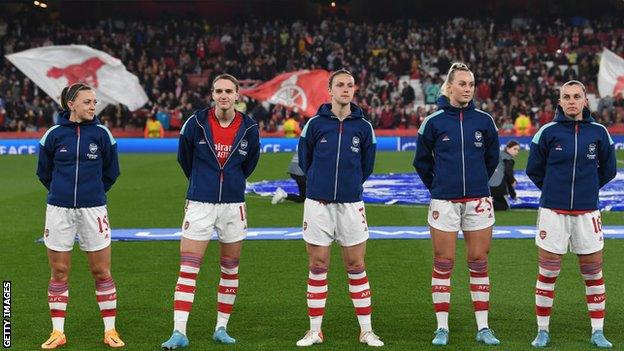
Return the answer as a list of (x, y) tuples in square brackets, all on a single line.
[(386, 121), (408, 94), (378, 54), (522, 124), (153, 128), (291, 126)]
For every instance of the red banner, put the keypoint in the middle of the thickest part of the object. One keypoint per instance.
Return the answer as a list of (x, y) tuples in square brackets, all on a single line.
[(303, 91)]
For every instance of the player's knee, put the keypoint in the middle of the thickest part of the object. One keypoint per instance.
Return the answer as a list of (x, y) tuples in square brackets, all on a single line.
[(443, 254), (478, 256), (319, 261), (100, 272), (60, 272)]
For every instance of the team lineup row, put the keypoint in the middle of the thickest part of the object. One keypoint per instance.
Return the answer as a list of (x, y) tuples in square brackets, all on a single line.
[(457, 153)]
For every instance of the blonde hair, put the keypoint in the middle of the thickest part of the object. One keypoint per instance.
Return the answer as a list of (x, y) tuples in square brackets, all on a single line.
[(226, 76), (450, 76)]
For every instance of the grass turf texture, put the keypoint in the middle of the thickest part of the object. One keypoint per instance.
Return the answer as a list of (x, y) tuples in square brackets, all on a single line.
[(270, 310)]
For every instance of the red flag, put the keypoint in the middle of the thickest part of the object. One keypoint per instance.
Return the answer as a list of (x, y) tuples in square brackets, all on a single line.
[(304, 90)]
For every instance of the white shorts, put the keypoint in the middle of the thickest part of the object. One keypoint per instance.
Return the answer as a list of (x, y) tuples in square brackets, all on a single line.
[(581, 233), (201, 219), (62, 224), (454, 216), (343, 222)]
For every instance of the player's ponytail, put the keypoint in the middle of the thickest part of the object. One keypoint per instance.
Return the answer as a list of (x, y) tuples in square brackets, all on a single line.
[(69, 93), (450, 76)]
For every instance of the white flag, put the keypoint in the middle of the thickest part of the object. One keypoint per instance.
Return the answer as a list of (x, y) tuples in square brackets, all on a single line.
[(611, 74), (54, 67)]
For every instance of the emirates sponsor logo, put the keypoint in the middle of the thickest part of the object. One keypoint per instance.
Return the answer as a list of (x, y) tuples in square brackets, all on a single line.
[(223, 150)]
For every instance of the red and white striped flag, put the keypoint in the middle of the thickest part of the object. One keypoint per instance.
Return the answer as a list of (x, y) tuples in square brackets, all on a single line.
[(54, 67), (303, 91), (611, 74)]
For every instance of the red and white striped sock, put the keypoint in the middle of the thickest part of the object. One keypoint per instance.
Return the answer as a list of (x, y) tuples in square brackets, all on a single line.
[(545, 290), (185, 289), (359, 288), (441, 289), (595, 293), (58, 295), (228, 287), (480, 291), (317, 295), (106, 294)]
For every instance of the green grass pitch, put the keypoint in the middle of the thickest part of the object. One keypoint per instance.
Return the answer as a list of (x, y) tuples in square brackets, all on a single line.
[(270, 310)]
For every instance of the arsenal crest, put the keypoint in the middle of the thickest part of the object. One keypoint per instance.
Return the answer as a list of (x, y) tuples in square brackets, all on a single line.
[(435, 214), (542, 234), (478, 135), (186, 225)]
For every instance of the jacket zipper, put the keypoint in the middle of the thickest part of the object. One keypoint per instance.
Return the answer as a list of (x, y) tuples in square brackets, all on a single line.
[(461, 127), (77, 163), (574, 164), (338, 160), (221, 171)]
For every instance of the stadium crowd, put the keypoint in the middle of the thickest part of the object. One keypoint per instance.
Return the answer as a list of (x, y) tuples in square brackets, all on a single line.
[(519, 65)]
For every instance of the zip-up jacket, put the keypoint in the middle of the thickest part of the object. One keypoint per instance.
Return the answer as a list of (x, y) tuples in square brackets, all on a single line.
[(570, 161), (208, 180), (457, 151), (77, 163), (337, 157)]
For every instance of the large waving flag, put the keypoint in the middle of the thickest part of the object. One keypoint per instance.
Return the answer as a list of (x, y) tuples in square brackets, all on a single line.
[(54, 67), (611, 74), (302, 90)]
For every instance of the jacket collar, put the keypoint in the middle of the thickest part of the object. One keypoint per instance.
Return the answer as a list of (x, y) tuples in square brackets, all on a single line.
[(445, 104), (325, 111), (561, 117), (63, 120)]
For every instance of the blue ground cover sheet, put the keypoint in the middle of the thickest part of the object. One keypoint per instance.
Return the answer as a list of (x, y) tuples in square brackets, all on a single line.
[(407, 188)]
